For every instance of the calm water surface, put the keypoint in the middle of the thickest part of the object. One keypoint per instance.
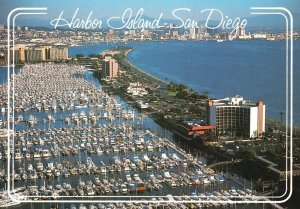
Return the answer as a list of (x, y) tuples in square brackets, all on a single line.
[(253, 69)]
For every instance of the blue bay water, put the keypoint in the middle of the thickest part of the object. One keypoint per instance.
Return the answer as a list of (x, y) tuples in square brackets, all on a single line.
[(253, 69)]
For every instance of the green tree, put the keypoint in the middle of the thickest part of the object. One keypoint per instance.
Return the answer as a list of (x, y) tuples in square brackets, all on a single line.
[(119, 57), (182, 87), (171, 86), (94, 56), (250, 153), (182, 95), (79, 55)]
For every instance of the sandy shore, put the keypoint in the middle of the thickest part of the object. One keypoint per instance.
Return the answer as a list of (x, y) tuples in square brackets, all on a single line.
[(138, 70), (142, 71)]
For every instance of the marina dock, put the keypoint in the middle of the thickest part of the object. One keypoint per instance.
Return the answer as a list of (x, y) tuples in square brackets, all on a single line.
[(70, 139)]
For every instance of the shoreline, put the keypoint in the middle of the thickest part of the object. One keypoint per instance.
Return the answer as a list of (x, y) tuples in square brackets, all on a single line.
[(211, 154), (141, 70), (268, 120), (138, 70), (80, 44)]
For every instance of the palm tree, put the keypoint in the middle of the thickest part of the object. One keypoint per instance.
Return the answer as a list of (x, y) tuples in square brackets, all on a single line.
[(281, 114)]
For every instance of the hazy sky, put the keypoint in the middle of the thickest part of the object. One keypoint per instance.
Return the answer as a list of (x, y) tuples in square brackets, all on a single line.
[(152, 8)]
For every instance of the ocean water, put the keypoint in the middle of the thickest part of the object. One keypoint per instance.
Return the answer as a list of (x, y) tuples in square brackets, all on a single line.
[(148, 124), (181, 73), (253, 69)]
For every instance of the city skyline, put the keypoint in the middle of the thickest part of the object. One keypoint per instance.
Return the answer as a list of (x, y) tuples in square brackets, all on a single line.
[(107, 9), (149, 104)]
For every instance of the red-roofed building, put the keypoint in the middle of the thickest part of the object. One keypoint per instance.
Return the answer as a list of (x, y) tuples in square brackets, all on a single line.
[(193, 129)]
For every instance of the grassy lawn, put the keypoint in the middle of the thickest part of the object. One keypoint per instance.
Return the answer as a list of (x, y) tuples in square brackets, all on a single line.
[(170, 93)]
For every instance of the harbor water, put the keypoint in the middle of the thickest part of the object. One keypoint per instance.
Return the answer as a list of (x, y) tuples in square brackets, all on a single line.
[(247, 68), (98, 145)]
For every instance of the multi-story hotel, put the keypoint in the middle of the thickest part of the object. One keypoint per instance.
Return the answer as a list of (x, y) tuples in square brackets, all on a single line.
[(38, 53), (110, 68), (234, 116)]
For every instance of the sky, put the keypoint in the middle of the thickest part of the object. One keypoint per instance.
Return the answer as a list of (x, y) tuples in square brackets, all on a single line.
[(152, 8)]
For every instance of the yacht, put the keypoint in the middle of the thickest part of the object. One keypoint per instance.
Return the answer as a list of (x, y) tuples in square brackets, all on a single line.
[(83, 116), (39, 108), (50, 118), (150, 147), (32, 120), (18, 155), (167, 175), (33, 175), (67, 120), (30, 167), (92, 117), (75, 118), (37, 154), (56, 173), (99, 150), (146, 159), (48, 173), (90, 191), (205, 180), (40, 167), (24, 176), (46, 153), (271, 39), (103, 169), (27, 155)]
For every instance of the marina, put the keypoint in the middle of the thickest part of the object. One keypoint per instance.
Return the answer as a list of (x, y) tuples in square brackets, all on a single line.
[(70, 139)]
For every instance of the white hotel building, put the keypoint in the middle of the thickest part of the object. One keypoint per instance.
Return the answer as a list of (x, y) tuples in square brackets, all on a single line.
[(234, 116)]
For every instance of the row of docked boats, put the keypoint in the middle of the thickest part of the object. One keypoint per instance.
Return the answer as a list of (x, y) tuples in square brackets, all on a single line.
[(114, 156)]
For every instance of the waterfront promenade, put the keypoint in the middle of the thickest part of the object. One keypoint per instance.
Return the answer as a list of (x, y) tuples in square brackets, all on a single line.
[(144, 73)]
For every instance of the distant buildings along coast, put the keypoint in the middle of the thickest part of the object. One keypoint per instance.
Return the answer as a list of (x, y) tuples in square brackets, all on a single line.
[(23, 53)]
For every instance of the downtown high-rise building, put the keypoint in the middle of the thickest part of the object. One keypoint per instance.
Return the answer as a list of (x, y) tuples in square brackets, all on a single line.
[(193, 32)]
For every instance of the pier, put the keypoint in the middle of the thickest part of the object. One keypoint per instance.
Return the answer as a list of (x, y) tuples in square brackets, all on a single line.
[(72, 139), (224, 163)]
